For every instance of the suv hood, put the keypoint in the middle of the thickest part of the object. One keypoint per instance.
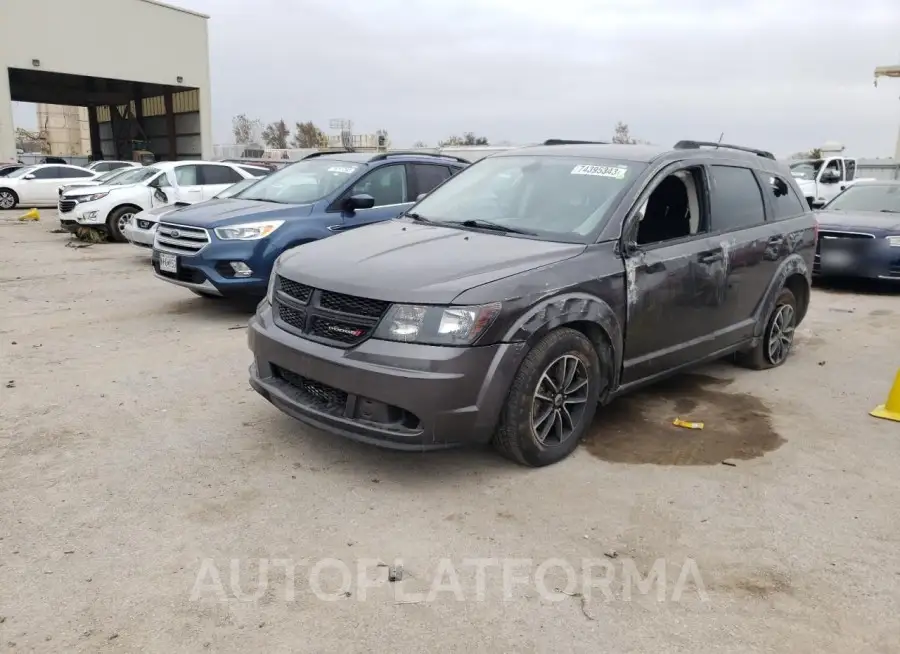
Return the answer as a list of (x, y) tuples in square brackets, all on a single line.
[(97, 188), (858, 220), (233, 211), (400, 261)]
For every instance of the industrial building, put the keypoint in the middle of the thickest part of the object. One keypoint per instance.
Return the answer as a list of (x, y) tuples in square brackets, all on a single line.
[(137, 97)]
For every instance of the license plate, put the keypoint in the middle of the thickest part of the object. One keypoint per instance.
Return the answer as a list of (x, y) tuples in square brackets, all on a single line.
[(168, 262)]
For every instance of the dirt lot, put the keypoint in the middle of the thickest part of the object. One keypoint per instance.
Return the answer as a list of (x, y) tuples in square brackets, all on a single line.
[(134, 457)]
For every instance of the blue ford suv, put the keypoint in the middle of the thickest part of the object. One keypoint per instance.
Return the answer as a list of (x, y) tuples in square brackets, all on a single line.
[(227, 247)]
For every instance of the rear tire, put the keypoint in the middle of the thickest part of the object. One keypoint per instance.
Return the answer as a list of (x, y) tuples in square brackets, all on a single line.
[(8, 199), (777, 338), (115, 223), (552, 400)]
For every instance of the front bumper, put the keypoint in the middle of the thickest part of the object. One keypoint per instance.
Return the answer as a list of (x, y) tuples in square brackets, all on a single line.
[(396, 395), (850, 254), (140, 236), (210, 272), (89, 215)]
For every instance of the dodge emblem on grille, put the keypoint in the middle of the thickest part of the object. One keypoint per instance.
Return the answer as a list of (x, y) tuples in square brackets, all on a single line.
[(347, 331)]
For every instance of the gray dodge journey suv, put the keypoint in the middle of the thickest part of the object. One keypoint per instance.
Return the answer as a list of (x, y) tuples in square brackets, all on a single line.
[(535, 285)]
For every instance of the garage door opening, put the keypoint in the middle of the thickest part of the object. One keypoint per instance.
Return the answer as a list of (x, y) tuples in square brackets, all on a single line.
[(126, 118)]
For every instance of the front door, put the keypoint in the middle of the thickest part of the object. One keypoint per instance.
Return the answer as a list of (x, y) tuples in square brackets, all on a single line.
[(44, 188), (674, 276), (390, 188), (827, 190)]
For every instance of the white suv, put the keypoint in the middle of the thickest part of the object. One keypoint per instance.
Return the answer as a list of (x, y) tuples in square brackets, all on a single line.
[(147, 187)]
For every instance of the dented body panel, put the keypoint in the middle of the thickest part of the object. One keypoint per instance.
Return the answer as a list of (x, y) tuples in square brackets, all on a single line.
[(650, 311)]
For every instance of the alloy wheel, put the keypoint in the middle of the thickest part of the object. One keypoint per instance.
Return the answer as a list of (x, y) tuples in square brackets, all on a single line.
[(559, 400), (781, 336), (124, 219), (7, 201)]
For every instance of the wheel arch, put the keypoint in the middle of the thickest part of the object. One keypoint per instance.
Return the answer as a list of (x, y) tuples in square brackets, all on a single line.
[(132, 205), (10, 190), (579, 311), (794, 274)]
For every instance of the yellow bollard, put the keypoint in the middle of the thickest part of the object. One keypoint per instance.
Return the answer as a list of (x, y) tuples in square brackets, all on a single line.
[(890, 410), (31, 214)]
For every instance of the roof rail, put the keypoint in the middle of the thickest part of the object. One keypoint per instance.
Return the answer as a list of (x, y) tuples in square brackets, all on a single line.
[(399, 153), (322, 153), (692, 145), (569, 142)]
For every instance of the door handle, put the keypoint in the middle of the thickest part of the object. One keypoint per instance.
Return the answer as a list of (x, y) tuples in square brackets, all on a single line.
[(710, 257)]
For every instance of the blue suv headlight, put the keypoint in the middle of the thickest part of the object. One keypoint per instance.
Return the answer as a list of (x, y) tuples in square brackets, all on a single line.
[(248, 231)]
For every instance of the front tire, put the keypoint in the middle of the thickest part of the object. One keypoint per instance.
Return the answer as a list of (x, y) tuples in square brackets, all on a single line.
[(552, 400), (115, 223), (777, 339), (8, 199)]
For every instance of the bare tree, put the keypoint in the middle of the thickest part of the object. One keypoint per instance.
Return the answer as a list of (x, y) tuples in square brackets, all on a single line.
[(468, 138), (244, 129), (307, 135), (622, 134), (420, 144), (276, 135)]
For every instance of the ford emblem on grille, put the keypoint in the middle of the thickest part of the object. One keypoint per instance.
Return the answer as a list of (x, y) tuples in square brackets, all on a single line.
[(174, 233)]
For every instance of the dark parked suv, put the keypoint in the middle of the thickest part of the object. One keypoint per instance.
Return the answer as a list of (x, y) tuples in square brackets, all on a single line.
[(533, 286)]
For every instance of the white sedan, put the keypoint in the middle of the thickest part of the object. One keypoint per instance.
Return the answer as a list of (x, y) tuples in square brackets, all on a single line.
[(39, 185)]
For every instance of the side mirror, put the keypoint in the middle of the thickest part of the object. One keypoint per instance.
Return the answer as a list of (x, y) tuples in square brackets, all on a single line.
[(29, 176), (359, 201), (829, 177), (420, 196), (160, 195)]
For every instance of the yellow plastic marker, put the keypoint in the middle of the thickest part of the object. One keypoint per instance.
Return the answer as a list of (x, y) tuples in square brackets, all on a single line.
[(31, 214), (890, 410), (678, 422)]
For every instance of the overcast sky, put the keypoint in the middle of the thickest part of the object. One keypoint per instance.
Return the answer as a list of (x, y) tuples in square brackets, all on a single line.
[(774, 74)]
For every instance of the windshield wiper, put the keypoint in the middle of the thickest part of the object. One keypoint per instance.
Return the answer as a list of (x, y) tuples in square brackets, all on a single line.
[(415, 216), (889, 211), (496, 227)]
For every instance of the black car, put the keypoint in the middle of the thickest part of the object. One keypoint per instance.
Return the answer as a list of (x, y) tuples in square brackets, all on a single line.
[(859, 233), (534, 285)]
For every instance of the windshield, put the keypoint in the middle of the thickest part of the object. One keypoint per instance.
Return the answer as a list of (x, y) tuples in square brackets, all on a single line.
[(556, 198), (806, 169), (110, 175), (302, 182), (137, 175), (868, 197), (236, 188), (21, 172)]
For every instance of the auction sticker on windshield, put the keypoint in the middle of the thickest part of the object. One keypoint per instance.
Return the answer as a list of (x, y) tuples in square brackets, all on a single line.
[(348, 170), (616, 172)]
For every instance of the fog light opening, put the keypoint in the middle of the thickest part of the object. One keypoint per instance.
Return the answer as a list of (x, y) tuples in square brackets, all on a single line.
[(240, 269)]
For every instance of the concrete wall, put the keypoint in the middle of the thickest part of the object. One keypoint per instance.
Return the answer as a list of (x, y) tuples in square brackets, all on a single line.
[(65, 129), (71, 40)]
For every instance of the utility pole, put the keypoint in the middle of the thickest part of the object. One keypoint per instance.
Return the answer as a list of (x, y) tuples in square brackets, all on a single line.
[(890, 71)]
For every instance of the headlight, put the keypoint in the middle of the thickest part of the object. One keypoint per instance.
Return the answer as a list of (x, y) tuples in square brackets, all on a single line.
[(436, 325), (248, 231), (894, 241), (91, 198)]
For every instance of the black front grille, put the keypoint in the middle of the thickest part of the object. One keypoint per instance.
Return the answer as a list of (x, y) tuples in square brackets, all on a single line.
[(359, 306), (299, 292), (316, 394), (65, 206), (332, 318), (294, 318)]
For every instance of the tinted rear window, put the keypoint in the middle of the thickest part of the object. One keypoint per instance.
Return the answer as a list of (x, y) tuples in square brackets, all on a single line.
[(736, 201)]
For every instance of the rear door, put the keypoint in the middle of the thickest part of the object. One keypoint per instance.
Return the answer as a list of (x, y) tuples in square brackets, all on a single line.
[(424, 177), (215, 178), (752, 245), (388, 185), (188, 187)]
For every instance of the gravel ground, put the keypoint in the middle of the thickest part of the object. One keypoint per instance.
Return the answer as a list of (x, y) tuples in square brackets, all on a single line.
[(136, 465)]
